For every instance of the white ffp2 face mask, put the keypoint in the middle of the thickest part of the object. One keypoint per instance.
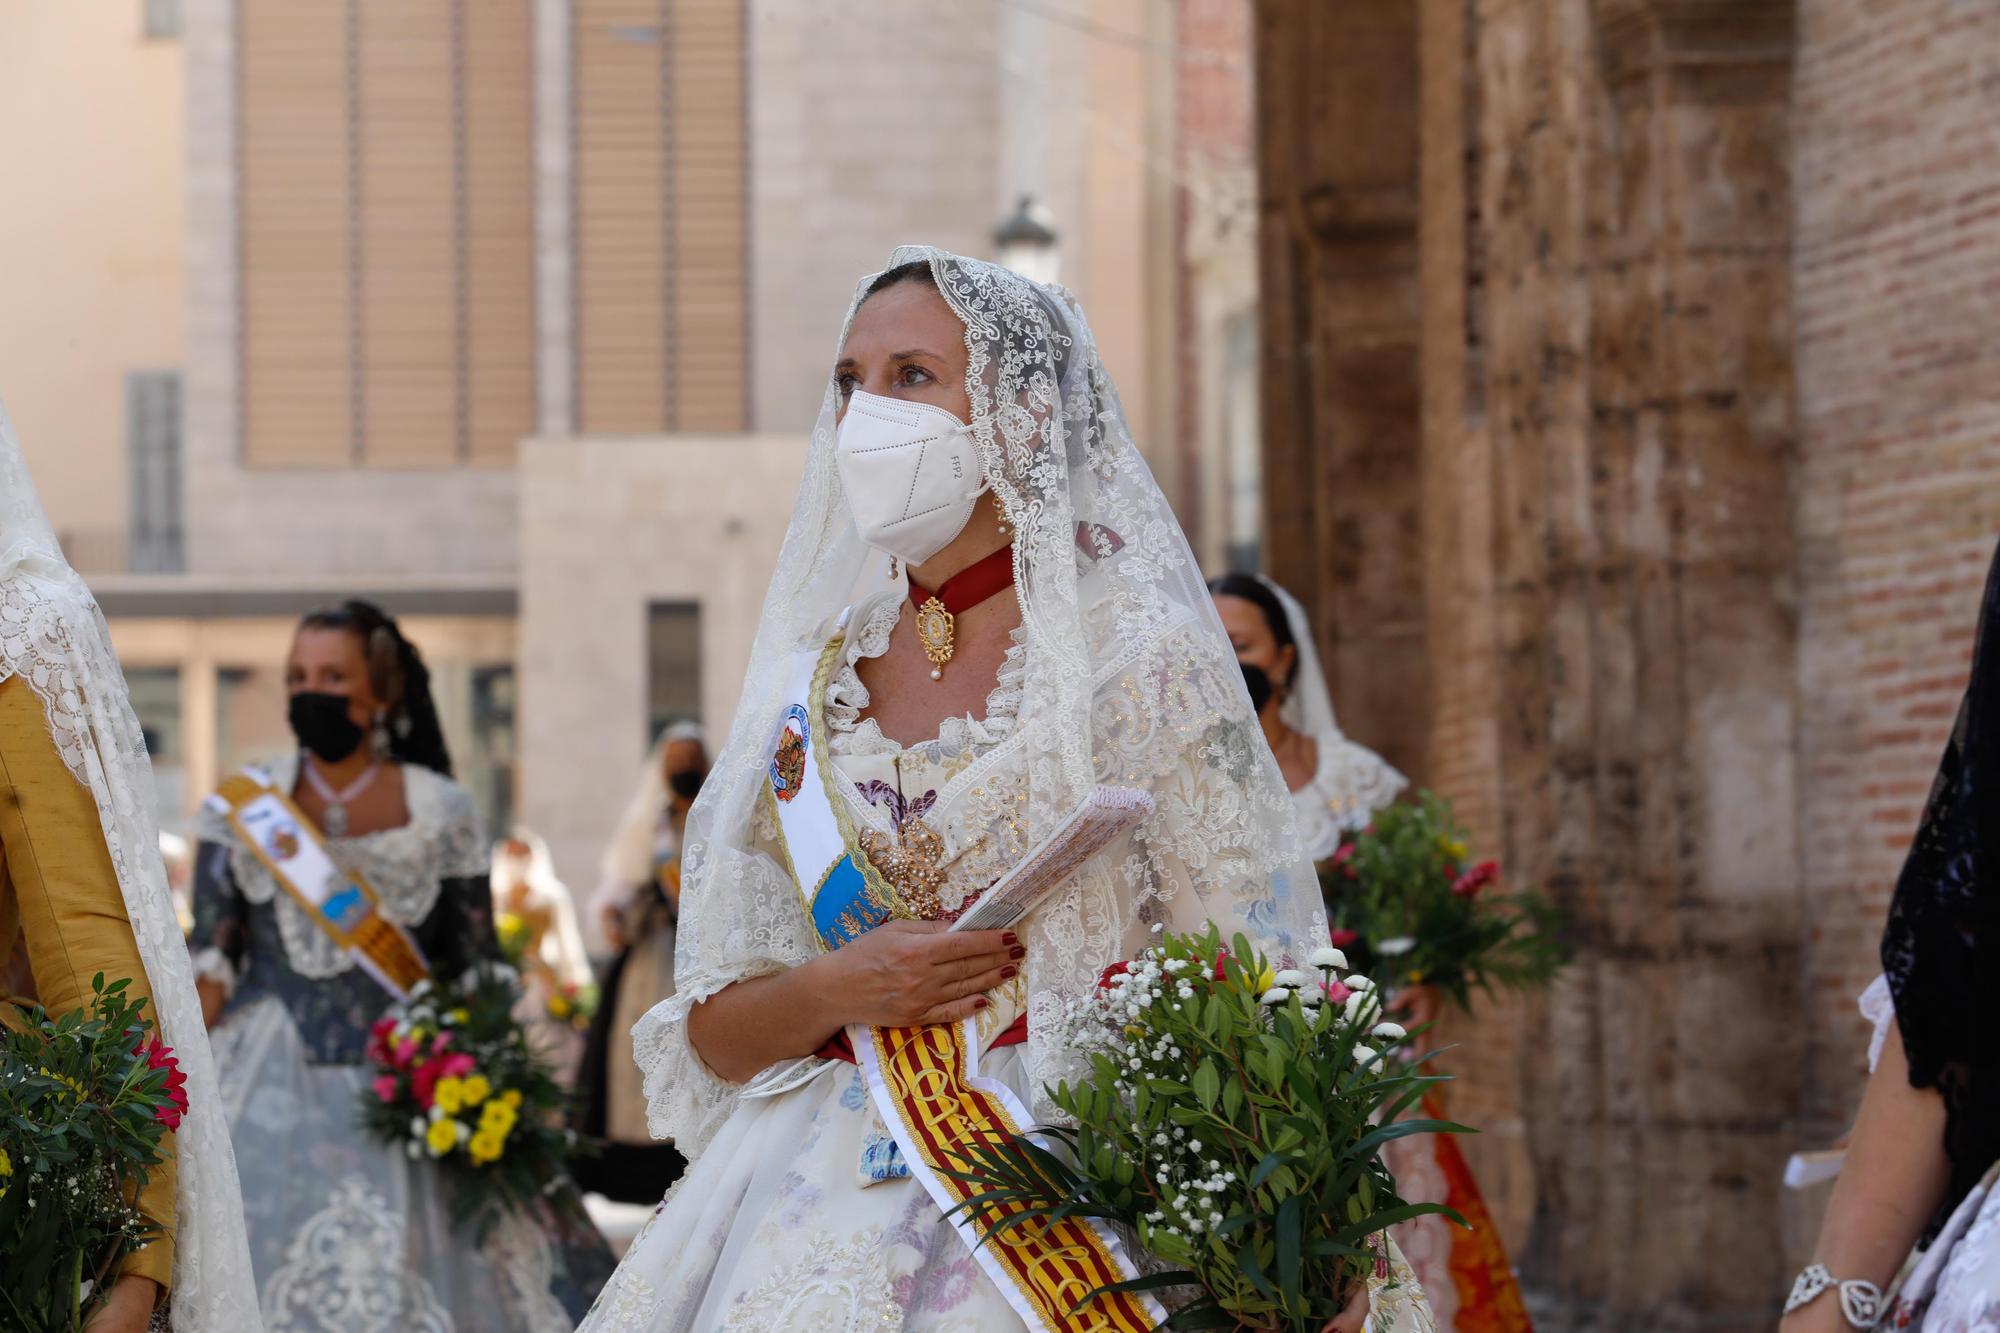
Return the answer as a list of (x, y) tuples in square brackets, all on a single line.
[(911, 473)]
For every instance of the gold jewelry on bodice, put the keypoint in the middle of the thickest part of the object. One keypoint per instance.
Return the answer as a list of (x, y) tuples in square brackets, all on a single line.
[(909, 862)]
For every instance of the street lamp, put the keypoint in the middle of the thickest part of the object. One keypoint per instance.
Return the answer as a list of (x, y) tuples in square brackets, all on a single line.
[(1025, 241)]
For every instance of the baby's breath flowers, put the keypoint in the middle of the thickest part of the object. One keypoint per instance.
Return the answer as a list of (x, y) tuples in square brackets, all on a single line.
[(1233, 1120)]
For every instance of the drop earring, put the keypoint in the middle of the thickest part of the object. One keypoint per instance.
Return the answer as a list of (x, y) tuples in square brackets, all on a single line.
[(378, 737)]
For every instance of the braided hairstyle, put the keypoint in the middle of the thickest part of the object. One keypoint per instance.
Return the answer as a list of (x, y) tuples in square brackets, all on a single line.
[(399, 677)]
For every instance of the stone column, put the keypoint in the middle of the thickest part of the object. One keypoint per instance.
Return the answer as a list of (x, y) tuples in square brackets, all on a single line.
[(1337, 150), (1634, 197)]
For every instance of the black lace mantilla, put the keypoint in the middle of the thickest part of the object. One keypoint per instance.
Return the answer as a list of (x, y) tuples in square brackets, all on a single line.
[(1941, 949)]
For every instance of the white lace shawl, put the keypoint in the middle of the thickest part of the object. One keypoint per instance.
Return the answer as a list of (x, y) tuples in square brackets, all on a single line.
[(1125, 676), (53, 636), (407, 865)]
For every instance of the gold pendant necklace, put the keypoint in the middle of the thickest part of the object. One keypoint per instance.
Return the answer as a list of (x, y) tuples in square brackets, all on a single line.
[(936, 628), (938, 612)]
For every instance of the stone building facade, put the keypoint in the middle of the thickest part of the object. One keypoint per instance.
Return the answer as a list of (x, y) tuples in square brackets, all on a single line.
[(1641, 354)]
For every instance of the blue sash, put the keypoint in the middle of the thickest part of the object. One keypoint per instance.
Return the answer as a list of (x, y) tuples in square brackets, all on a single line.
[(844, 894)]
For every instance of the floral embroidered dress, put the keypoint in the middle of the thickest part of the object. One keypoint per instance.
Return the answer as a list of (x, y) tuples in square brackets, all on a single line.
[(347, 1234), (800, 1213)]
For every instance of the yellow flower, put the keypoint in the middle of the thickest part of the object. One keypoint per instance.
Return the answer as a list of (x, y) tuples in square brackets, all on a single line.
[(512, 1098), (497, 1118), (442, 1136), (450, 1095), (6, 1170), (1453, 848), (484, 1148), (475, 1089), (459, 1016), (1265, 980), (558, 1006)]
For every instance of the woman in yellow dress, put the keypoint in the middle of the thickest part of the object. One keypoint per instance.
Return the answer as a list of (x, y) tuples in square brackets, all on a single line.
[(83, 891)]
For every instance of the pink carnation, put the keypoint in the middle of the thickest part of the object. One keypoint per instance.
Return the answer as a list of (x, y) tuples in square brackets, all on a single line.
[(385, 1087), (423, 1083)]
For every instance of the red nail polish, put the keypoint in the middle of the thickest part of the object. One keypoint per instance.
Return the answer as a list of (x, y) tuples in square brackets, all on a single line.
[(1009, 972), (1017, 953), (1010, 938), (979, 1003)]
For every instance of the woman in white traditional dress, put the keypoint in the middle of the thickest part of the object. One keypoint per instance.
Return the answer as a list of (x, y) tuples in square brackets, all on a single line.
[(348, 1234), (56, 665), (982, 610), (1337, 787), (538, 928)]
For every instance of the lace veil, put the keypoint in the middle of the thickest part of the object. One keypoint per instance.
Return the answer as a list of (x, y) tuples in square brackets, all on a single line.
[(52, 636), (1128, 679), (1308, 705)]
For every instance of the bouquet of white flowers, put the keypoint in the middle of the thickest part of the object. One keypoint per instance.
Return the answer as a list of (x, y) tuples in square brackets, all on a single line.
[(1233, 1123)]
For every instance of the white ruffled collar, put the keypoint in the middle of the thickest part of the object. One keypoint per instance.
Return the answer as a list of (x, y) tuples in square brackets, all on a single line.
[(850, 734)]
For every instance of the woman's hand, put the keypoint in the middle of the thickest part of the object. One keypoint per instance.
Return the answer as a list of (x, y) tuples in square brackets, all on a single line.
[(1419, 1005), (129, 1307), (1354, 1317), (906, 973)]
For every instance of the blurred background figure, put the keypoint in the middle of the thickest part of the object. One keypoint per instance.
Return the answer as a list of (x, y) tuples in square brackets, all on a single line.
[(290, 1012), (1335, 784), (536, 922), (636, 905)]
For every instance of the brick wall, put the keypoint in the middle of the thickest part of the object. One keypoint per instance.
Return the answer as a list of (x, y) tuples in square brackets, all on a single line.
[(1897, 269)]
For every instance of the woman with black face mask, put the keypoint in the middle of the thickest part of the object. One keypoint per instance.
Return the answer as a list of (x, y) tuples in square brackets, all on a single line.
[(347, 1232), (637, 905), (1336, 785)]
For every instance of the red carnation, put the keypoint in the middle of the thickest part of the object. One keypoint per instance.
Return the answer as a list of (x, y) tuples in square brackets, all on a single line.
[(1221, 957), (1341, 938), (1343, 859), (1472, 881), (159, 1055), (1115, 970)]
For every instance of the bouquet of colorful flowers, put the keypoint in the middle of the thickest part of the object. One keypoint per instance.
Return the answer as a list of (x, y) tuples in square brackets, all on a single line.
[(85, 1100), (1403, 895), (573, 1004), (1233, 1123), (458, 1084)]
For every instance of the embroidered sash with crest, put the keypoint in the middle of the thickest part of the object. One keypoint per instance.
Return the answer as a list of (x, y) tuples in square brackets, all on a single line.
[(925, 1081), (342, 903)]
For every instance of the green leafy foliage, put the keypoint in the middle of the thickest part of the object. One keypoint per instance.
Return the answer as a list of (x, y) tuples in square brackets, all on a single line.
[(1421, 912), (458, 1083), (1232, 1122), (85, 1102)]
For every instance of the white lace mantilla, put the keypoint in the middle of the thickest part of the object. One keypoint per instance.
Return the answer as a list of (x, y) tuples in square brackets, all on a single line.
[(407, 866)]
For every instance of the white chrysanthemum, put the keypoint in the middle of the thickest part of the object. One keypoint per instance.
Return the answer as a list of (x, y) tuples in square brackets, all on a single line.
[(1395, 948), (1328, 958), (1275, 995), (1291, 978), (1367, 1056), (1311, 997), (1359, 982), (1390, 1031)]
